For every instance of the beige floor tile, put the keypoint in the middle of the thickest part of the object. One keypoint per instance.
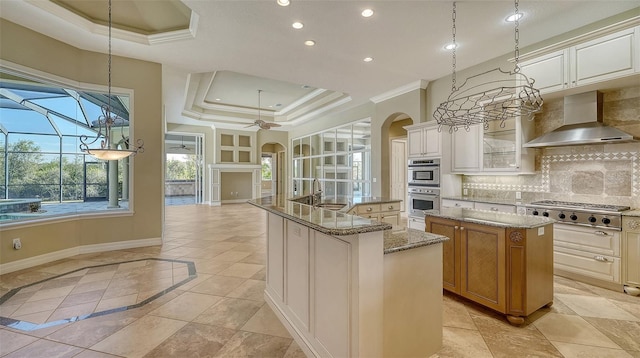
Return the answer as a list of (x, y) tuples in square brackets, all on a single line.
[(140, 337), (294, 351), (626, 334), (507, 346), (218, 285), (73, 311), (35, 318), (462, 343), (187, 306), (11, 341), (91, 286), (241, 270), (233, 256), (100, 276), (123, 301), (193, 340), (44, 294), (595, 307), (229, 312), (45, 348), (248, 344), (80, 298), (266, 322), (7, 310), (572, 329), (570, 350), (213, 267), (87, 353), (86, 333), (27, 308), (455, 314), (249, 290), (260, 275)]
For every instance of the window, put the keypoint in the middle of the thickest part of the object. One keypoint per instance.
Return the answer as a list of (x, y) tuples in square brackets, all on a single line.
[(339, 158), (40, 158), (266, 168)]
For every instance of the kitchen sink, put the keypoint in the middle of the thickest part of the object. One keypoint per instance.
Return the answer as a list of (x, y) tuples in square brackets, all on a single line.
[(331, 206)]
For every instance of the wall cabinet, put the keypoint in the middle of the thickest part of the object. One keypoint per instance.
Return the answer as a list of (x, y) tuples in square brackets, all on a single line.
[(631, 254), (494, 149), (424, 140), (601, 59), (384, 212), (508, 270)]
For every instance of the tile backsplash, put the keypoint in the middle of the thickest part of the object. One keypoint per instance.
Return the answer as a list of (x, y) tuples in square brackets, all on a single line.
[(600, 173)]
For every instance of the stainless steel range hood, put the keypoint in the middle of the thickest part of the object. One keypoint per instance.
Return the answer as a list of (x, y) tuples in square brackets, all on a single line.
[(582, 124)]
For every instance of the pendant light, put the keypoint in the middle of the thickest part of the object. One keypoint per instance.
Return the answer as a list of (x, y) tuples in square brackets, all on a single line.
[(108, 149), (488, 96)]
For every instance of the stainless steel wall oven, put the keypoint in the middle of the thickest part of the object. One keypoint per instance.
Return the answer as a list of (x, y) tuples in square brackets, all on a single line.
[(424, 172)]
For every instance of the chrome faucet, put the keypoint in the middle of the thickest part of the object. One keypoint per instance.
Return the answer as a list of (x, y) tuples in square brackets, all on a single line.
[(316, 192)]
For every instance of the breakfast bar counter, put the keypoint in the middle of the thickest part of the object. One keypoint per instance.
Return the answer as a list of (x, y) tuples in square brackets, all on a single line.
[(348, 286)]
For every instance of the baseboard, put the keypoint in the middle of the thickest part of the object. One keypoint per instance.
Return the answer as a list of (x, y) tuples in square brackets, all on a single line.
[(618, 287), (78, 250), (235, 201)]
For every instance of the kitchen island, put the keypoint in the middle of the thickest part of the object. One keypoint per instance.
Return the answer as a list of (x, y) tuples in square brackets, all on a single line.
[(501, 261), (348, 286)]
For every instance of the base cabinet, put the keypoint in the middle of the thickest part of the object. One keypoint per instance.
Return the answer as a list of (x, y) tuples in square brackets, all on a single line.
[(385, 212), (507, 270), (631, 254)]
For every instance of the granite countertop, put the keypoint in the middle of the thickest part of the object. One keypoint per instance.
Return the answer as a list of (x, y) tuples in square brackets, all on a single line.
[(330, 222), (487, 200), (349, 202), (632, 212), (491, 218), (404, 238)]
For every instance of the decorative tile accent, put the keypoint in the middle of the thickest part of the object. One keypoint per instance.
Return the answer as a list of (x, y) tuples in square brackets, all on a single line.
[(545, 172), (131, 284)]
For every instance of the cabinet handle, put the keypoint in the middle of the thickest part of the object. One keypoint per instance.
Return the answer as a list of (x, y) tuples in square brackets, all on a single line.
[(369, 209), (600, 233), (390, 207), (600, 258), (458, 204), (461, 228), (455, 228), (494, 209)]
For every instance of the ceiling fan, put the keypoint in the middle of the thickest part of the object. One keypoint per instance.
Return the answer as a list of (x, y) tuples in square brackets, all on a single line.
[(181, 146), (259, 122)]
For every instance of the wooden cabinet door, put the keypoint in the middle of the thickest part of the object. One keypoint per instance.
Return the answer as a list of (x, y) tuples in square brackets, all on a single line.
[(482, 265), (450, 251)]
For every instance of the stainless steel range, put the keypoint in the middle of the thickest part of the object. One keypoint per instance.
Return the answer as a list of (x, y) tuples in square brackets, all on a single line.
[(592, 215)]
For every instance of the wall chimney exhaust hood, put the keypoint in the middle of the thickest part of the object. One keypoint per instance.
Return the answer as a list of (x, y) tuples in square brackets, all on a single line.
[(582, 124)]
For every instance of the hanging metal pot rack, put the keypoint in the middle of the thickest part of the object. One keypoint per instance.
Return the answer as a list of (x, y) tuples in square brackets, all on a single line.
[(494, 95)]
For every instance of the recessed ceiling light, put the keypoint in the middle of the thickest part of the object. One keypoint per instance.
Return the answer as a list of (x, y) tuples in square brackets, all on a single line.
[(297, 25), (367, 13), (278, 104), (283, 2), (368, 59), (514, 17), (310, 43), (306, 86), (218, 99), (450, 46)]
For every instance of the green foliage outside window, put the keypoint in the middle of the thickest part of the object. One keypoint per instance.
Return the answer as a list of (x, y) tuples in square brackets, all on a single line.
[(266, 168)]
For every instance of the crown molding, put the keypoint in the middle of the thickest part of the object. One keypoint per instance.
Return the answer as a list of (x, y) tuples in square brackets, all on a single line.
[(419, 84), (315, 93)]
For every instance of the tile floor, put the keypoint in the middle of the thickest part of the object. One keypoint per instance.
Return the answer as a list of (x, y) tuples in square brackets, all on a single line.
[(221, 313)]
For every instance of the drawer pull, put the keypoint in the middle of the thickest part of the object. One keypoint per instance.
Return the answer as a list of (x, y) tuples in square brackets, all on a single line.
[(390, 207), (458, 204), (600, 258), (494, 208), (461, 228), (369, 209), (455, 228), (600, 233)]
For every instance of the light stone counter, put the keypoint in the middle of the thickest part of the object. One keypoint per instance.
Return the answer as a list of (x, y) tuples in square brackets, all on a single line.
[(491, 218), (403, 238), (487, 200), (635, 213)]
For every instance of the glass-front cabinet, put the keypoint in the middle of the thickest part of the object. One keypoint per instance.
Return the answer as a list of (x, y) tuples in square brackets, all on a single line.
[(339, 158), (494, 148)]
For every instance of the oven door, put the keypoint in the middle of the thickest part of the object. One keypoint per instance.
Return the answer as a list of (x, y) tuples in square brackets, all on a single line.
[(419, 202), (424, 176)]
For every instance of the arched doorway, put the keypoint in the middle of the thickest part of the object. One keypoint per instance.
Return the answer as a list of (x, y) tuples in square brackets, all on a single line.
[(395, 136), (273, 160)]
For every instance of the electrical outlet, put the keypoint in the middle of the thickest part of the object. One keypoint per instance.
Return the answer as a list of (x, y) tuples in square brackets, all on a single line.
[(518, 195), (465, 191), (17, 244)]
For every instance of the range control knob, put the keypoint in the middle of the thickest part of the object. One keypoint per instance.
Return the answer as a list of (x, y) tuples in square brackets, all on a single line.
[(592, 219), (562, 216), (573, 217), (535, 212), (606, 221), (546, 214)]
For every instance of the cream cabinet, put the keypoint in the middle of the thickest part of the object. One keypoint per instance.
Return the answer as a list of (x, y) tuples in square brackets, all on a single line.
[(601, 59), (416, 223), (494, 149), (424, 140), (384, 212), (469, 204), (631, 254)]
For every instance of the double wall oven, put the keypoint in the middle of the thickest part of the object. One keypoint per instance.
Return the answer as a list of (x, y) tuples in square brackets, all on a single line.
[(424, 187)]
